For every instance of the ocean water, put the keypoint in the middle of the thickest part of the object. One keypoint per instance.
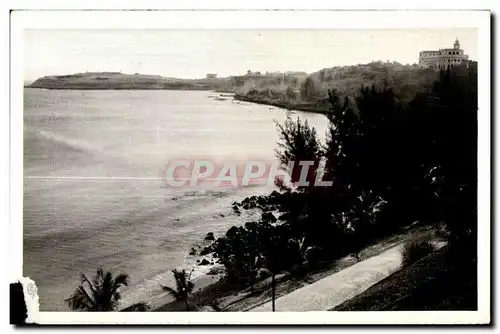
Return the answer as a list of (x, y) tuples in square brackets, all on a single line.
[(94, 195)]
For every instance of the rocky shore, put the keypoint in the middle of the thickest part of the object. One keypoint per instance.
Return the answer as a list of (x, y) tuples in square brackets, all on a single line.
[(299, 106), (214, 293)]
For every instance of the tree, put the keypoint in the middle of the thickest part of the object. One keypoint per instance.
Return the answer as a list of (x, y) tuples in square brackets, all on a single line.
[(393, 160), (103, 294), (237, 251), (297, 143), (278, 252), (362, 218), (308, 91), (290, 93), (322, 75), (183, 286), (451, 146)]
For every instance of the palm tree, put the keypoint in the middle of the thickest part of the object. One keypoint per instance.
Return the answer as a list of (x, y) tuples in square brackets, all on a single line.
[(183, 286), (272, 261), (271, 258), (279, 252), (103, 294), (269, 263)]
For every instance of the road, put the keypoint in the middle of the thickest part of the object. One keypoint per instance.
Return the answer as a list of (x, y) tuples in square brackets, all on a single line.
[(335, 289)]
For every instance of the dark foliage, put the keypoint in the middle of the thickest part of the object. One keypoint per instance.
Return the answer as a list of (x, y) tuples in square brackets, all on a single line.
[(183, 286), (444, 280), (393, 159), (137, 307), (298, 143), (102, 293), (308, 90), (416, 249)]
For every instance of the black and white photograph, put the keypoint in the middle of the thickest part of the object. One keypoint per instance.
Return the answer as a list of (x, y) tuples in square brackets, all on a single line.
[(253, 166)]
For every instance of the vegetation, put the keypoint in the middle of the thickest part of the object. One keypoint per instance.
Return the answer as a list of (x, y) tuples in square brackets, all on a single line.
[(137, 307), (445, 280), (102, 293), (400, 150), (311, 92), (298, 142), (308, 90), (392, 159), (416, 249), (183, 286), (118, 80)]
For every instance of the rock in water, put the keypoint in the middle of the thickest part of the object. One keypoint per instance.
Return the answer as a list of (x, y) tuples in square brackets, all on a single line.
[(204, 262)]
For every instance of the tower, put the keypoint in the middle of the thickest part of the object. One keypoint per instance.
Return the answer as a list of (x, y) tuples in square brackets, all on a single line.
[(456, 45)]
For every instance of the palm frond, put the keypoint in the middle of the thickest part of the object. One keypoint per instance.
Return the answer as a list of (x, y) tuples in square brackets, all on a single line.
[(180, 281), (91, 286), (183, 285), (190, 287), (171, 291), (189, 277), (104, 294), (121, 279), (80, 300)]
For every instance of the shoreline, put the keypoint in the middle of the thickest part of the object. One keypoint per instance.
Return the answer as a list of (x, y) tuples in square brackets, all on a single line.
[(283, 105), (238, 97), (117, 88)]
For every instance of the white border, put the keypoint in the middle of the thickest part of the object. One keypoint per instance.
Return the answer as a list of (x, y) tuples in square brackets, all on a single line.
[(257, 20)]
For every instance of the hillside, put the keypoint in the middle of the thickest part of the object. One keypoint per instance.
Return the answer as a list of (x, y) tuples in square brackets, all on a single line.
[(117, 80), (292, 90), (310, 93)]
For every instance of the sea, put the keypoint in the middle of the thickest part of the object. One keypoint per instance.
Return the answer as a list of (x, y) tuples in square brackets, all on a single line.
[(94, 189)]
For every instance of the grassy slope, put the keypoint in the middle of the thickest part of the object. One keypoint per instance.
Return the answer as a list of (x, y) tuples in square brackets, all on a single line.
[(444, 280)]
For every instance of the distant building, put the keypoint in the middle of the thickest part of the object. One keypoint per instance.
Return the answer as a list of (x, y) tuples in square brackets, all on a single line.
[(296, 74), (274, 74), (211, 76), (443, 58), (365, 68), (253, 74)]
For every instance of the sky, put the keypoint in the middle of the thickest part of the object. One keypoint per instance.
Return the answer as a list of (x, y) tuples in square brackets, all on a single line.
[(194, 53)]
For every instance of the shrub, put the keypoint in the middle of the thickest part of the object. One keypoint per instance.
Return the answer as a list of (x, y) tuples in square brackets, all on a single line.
[(313, 256), (262, 274), (416, 249), (138, 307)]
